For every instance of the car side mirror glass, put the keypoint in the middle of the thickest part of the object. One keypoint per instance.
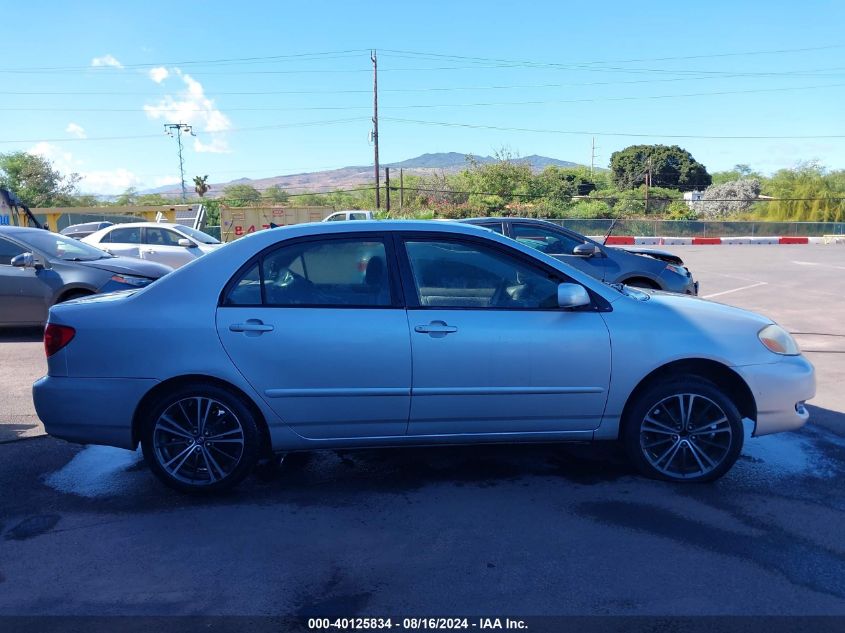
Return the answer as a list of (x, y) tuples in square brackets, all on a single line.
[(24, 260), (585, 250), (186, 243), (572, 295)]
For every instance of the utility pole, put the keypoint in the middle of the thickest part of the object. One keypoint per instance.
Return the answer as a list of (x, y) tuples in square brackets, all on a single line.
[(401, 189), (176, 129), (647, 182), (593, 158), (387, 188), (374, 58)]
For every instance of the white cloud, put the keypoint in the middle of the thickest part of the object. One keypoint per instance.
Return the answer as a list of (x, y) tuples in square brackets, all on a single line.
[(77, 130), (159, 74), (109, 181), (217, 146), (97, 181), (161, 181), (106, 60), (193, 107), (61, 159)]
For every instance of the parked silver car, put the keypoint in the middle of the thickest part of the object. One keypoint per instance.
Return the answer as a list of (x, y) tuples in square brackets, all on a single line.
[(361, 334), (39, 269), (634, 266)]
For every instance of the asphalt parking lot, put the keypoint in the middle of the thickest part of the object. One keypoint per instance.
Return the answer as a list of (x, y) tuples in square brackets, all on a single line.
[(488, 531)]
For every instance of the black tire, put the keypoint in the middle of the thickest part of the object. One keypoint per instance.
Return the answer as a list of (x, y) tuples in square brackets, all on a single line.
[(76, 294), (642, 283), (168, 434), (705, 447)]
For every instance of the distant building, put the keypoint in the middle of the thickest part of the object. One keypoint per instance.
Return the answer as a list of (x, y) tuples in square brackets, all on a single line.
[(692, 196)]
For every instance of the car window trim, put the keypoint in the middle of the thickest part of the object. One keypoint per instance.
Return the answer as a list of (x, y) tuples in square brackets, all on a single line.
[(396, 295), (597, 304)]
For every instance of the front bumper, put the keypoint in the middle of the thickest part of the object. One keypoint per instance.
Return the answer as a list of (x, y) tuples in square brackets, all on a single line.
[(780, 390), (90, 410), (682, 284)]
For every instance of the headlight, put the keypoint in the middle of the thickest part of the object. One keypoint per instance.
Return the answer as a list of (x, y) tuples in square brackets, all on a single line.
[(778, 340), (131, 280), (679, 270)]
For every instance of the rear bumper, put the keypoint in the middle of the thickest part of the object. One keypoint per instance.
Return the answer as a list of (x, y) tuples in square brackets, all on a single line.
[(780, 390), (90, 410)]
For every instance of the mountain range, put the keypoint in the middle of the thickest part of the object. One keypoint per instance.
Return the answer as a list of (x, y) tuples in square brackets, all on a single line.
[(350, 177)]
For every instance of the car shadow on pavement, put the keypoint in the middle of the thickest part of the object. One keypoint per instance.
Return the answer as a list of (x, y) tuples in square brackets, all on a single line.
[(21, 335), (13, 432)]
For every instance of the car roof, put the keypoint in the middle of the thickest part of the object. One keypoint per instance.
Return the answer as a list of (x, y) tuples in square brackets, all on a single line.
[(133, 225), (18, 231)]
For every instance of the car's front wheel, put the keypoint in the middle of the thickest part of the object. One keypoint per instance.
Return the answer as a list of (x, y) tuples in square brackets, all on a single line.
[(684, 430), (200, 438)]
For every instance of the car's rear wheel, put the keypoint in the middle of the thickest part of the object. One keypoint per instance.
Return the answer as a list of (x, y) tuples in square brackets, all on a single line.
[(685, 430), (200, 438)]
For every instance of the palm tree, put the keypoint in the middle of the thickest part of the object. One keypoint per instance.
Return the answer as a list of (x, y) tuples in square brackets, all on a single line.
[(200, 185)]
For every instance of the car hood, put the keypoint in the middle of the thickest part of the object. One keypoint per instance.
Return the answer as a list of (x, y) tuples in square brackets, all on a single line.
[(708, 315), (665, 256), (129, 266)]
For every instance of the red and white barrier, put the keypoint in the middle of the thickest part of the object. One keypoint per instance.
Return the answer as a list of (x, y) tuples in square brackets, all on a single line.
[(629, 240)]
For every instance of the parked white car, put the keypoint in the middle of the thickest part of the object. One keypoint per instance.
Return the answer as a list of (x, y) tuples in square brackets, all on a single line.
[(171, 244), (342, 216)]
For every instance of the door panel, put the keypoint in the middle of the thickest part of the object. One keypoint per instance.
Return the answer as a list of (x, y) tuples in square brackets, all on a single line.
[(123, 242), (337, 370), (162, 245), (490, 353), (508, 371), (24, 297)]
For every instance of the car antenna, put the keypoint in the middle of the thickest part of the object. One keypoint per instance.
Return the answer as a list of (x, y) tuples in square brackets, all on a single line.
[(609, 231)]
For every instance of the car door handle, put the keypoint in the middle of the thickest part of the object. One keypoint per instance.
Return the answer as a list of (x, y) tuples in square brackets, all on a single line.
[(435, 327), (253, 325)]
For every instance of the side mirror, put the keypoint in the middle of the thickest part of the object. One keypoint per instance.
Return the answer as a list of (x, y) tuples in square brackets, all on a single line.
[(24, 260), (586, 250), (572, 296), (187, 243)]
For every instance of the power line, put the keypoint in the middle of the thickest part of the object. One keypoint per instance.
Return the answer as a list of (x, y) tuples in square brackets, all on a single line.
[(319, 56), (424, 106), (597, 133), (145, 136), (641, 59)]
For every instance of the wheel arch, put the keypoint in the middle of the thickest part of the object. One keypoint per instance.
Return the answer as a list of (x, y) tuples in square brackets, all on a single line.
[(719, 374), (82, 291), (648, 282), (179, 381)]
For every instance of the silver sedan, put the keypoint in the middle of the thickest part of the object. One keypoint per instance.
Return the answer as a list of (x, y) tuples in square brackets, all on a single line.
[(363, 334)]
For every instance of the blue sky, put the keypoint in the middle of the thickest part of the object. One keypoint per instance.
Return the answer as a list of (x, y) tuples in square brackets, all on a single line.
[(625, 72)]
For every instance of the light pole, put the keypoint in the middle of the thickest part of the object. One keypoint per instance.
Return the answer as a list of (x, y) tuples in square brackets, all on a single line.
[(176, 129)]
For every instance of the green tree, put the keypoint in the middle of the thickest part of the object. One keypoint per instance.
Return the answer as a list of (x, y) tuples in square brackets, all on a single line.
[(241, 195), (806, 193), (35, 181), (276, 194), (201, 185), (670, 166)]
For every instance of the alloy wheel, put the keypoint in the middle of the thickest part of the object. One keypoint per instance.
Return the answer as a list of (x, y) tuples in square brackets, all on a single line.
[(198, 441), (685, 435)]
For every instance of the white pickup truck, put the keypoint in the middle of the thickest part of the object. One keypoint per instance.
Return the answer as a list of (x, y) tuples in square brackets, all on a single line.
[(339, 216)]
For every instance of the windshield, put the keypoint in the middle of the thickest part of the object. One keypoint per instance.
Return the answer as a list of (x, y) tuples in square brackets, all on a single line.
[(57, 246), (199, 236)]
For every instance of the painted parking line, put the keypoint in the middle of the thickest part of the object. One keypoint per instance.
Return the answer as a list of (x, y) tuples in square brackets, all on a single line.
[(727, 292), (818, 264)]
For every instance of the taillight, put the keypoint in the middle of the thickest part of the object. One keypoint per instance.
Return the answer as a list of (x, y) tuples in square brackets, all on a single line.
[(56, 337)]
